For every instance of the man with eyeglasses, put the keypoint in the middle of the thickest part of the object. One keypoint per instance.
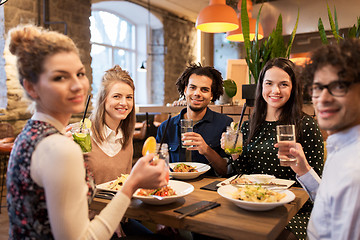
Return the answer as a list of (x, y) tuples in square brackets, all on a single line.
[(335, 74)]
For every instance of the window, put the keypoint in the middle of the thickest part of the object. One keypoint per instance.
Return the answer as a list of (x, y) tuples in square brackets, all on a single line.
[(120, 32), (113, 42)]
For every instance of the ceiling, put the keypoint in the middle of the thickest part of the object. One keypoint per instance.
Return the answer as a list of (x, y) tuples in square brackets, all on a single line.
[(188, 9), (310, 11)]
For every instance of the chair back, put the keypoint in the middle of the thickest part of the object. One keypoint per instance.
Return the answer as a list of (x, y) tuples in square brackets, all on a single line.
[(6, 130)]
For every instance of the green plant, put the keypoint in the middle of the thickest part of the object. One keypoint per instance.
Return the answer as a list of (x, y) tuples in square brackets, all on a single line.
[(354, 31), (258, 53), (333, 25), (230, 87)]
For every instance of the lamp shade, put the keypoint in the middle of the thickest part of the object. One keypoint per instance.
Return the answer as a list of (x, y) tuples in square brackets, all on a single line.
[(217, 17), (237, 35)]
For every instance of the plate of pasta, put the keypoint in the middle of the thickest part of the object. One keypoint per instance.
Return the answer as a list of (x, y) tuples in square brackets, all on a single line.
[(114, 185), (168, 194), (256, 198), (188, 170)]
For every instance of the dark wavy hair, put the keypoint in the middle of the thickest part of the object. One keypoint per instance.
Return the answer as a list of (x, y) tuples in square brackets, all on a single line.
[(210, 72), (345, 56), (291, 112)]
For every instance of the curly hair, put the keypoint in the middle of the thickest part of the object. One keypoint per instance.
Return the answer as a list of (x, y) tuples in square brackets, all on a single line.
[(291, 112), (344, 56), (111, 77), (210, 72), (32, 45)]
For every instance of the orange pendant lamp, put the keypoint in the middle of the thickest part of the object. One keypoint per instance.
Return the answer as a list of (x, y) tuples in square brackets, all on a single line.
[(237, 35), (217, 17)]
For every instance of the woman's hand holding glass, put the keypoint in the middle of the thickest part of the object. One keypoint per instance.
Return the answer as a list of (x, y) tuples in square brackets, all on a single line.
[(222, 143), (301, 166)]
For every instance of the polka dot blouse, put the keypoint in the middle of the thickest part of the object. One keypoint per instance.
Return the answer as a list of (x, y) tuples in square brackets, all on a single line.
[(260, 156)]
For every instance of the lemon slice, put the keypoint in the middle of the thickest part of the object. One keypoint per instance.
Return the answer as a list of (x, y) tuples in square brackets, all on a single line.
[(234, 125), (80, 135), (87, 123), (149, 146)]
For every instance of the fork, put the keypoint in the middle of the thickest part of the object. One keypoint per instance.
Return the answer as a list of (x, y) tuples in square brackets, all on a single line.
[(157, 197), (239, 175)]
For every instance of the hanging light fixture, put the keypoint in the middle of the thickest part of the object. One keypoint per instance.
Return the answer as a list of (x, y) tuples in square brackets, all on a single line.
[(217, 17), (237, 35), (142, 68)]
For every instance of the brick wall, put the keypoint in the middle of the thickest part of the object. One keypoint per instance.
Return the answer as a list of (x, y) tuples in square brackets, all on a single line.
[(74, 13), (179, 37)]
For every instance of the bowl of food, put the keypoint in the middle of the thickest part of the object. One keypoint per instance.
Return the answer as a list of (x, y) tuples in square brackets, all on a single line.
[(255, 198), (188, 170), (165, 195)]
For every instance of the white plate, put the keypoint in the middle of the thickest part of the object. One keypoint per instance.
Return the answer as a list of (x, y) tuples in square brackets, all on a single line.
[(181, 189), (105, 186), (203, 168), (227, 192), (286, 182)]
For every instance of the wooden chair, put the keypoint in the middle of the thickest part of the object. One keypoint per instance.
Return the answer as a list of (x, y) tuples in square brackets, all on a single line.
[(140, 130)]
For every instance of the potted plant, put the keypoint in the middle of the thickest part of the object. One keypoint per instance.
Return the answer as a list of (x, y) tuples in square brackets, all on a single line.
[(230, 90), (259, 52), (354, 31)]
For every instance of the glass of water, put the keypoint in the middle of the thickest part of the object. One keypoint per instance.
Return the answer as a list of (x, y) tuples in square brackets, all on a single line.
[(286, 133), (186, 126)]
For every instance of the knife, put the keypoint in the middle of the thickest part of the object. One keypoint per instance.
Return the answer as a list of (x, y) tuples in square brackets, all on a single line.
[(200, 209)]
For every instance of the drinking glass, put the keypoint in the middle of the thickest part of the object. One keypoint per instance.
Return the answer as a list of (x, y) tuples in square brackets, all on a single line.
[(230, 139), (81, 137), (286, 133), (186, 126)]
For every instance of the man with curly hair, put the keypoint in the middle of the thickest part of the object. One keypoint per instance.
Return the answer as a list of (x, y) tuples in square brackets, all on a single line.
[(200, 86), (334, 71)]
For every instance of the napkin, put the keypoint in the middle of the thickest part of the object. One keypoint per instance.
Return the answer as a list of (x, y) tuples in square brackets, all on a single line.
[(196, 208), (211, 186)]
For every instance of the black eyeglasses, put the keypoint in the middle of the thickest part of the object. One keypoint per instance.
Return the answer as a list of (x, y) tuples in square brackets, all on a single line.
[(337, 88)]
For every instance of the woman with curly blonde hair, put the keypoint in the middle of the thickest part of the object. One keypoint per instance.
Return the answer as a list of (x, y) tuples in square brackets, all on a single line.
[(48, 186)]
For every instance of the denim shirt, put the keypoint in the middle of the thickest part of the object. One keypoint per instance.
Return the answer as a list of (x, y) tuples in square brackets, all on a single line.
[(210, 127)]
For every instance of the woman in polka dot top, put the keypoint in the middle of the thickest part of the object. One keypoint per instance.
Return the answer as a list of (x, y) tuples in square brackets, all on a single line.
[(279, 101)]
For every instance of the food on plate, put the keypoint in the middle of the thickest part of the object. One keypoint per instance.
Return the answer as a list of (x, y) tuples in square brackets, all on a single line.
[(262, 178), (241, 180), (162, 192), (149, 146), (182, 167), (118, 183), (258, 194)]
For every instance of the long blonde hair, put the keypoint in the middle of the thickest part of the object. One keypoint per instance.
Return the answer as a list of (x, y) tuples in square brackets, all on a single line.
[(112, 76)]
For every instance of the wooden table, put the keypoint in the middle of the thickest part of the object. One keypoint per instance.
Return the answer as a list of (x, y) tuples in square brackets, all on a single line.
[(227, 221)]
